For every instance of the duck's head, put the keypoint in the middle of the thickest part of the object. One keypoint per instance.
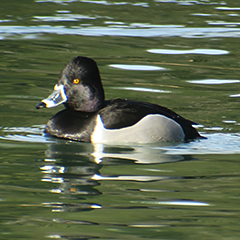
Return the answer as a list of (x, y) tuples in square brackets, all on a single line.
[(79, 87)]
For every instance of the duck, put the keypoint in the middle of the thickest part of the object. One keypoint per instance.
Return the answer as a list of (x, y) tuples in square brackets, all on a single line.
[(88, 117)]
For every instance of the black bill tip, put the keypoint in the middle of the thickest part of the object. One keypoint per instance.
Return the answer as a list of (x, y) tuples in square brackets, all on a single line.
[(41, 105)]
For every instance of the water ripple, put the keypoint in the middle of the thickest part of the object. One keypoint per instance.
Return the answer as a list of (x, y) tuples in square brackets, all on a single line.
[(228, 8), (62, 17), (191, 51), (130, 178), (233, 24), (10, 31), (28, 138), (214, 81), (141, 4), (137, 67), (101, 2), (217, 143), (188, 2), (143, 89), (180, 202)]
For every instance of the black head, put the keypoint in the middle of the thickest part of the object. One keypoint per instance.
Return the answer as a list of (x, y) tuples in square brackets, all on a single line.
[(79, 87), (82, 84)]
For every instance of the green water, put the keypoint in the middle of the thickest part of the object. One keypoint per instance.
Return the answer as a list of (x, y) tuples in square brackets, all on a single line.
[(57, 189)]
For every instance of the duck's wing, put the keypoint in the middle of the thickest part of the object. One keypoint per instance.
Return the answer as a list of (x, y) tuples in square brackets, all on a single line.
[(120, 113)]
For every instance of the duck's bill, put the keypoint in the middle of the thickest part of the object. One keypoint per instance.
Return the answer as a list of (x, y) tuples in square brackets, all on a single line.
[(57, 97)]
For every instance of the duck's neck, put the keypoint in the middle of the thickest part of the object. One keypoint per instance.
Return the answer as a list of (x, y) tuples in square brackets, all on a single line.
[(93, 106)]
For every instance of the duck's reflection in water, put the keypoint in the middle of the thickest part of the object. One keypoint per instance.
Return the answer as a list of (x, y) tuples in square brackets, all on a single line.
[(74, 170), (139, 154)]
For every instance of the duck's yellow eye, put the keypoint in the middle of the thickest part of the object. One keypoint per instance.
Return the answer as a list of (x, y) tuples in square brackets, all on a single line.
[(76, 81)]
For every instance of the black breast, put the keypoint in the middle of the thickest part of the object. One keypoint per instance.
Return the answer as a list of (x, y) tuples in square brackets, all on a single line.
[(74, 125)]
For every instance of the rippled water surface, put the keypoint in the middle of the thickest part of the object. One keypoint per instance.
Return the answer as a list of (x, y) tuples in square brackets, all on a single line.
[(177, 53)]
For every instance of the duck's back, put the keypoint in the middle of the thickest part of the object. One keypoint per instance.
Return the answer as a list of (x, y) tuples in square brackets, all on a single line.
[(120, 113)]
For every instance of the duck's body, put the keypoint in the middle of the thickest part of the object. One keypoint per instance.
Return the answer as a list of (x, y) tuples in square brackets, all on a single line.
[(89, 118)]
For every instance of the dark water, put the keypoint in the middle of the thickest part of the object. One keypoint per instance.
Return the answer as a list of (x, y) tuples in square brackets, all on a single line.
[(180, 54)]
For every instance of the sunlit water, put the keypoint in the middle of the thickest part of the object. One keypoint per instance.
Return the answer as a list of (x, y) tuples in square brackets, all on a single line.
[(180, 54)]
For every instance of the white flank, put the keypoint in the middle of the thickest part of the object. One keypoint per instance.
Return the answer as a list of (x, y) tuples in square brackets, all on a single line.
[(150, 129)]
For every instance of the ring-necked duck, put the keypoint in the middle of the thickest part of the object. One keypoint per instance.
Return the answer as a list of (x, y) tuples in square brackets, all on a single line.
[(89, 118)]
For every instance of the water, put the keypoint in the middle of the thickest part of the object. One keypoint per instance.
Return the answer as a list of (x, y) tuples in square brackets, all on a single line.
[(180, 54)]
